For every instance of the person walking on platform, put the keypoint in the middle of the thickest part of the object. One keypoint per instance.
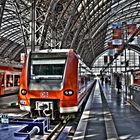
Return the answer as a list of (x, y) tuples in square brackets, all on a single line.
[(118, 84), (106, 80), (102, 80)]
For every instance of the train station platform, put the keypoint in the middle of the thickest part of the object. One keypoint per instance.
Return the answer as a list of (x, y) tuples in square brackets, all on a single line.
[(108, 116)]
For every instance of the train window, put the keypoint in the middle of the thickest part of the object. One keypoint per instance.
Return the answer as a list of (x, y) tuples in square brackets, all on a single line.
[(2, 79), (9, 80), (137, 75), (79, 69), (48, 69), (46, 74), (16, 80)]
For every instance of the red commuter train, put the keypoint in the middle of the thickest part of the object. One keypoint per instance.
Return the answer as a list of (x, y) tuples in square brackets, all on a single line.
[(53, 80), (9, 80)]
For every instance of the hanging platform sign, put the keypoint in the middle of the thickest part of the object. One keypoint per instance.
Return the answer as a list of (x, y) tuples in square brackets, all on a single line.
[(117, 33), (117, 42)]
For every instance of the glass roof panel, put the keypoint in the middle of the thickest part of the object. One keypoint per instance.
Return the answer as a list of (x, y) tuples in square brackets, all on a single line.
[(65, 24)]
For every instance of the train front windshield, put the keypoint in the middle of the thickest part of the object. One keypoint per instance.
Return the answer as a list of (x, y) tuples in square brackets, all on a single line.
[(46, 73)]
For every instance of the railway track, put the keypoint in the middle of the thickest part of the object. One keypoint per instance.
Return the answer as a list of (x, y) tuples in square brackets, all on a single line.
[(58, 129)]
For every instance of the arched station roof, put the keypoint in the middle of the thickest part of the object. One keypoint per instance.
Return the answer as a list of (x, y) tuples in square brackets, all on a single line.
[(84, 25)]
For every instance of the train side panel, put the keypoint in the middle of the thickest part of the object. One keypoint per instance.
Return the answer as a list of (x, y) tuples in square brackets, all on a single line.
[(70, 102), (24, 100), (9, 80)]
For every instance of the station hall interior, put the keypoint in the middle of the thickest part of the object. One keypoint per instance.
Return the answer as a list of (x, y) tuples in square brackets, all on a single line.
[(100, 39)]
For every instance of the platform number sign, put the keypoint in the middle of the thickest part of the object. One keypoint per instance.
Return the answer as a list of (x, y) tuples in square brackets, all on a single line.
[(4, 119)]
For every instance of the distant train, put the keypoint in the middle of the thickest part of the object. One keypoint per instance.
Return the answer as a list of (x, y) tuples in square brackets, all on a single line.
[(136, 76), (135, 80), (9, 80), (54, 81)]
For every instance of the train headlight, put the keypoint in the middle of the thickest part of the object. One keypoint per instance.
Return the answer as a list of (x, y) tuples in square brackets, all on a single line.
[(23, 91), (22, 102), (68, 92)]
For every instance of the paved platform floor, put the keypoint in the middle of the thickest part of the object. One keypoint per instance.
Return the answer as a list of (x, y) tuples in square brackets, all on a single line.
[(126, 117)]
